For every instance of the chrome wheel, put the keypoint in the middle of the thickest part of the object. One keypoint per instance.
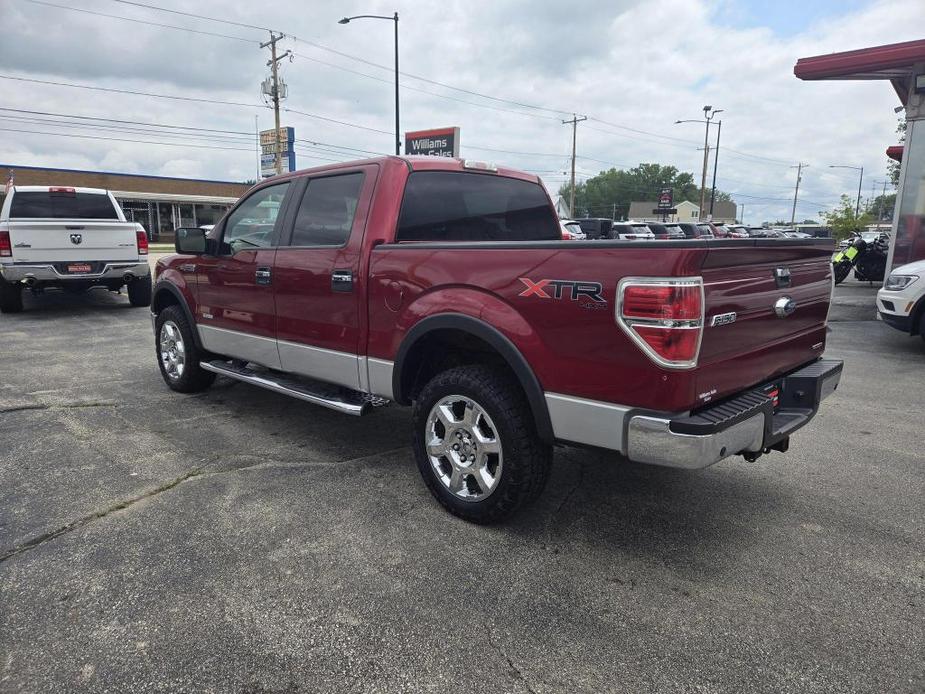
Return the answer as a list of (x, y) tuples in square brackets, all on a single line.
[(463, 447), (172, 350)]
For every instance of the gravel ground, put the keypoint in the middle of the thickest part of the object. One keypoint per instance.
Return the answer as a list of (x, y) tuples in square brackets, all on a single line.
[(240, 541)]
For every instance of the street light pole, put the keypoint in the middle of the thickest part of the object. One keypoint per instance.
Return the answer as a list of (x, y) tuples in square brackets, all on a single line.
[(393, 18), (708, 113), (857, 206)]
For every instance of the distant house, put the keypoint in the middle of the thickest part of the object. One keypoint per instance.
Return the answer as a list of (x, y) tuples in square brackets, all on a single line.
[(643, 212), (723, 212)]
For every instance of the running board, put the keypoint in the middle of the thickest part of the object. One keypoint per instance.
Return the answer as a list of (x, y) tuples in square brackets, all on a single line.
[(318, 393)]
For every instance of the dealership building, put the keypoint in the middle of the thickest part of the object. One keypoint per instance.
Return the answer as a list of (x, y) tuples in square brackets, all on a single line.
[(159, 203)]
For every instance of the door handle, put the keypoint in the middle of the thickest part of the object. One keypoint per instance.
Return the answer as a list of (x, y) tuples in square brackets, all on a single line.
[(342, 281), (263, 275)]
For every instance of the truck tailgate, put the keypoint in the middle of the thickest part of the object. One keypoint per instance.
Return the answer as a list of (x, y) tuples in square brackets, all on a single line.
[(55, 241), (758, 342)]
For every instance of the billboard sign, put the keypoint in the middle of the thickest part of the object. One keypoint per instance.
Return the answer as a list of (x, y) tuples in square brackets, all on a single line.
[(439, 142), (665, 197), (268, 151)]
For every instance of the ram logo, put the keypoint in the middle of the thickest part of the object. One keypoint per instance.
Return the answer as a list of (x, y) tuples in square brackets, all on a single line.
[(723, 319), (574, 288), (77, 239)]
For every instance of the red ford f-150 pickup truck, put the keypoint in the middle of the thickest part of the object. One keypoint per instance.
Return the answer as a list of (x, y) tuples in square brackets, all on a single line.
[(445, 285)]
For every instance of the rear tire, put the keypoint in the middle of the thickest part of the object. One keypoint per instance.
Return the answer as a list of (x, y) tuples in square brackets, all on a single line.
[(139, 291), (10, 297), (476, 445), (841, 270), (178, 356)]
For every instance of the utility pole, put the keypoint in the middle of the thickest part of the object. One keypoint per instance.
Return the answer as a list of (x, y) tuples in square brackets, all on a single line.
[(273, 64), (799, 167), (709, 113), (880, 204), (574, 121), (703, 177), (719, 131)]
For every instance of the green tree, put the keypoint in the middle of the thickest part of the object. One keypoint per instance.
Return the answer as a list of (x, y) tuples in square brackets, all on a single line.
[(843, 221), (893, 166), (612, 191), (881, 207)]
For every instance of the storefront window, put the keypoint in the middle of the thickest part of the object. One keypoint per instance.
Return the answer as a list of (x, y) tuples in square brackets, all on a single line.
[(209, 214), (165, 225), (909, 240), (186, 216)]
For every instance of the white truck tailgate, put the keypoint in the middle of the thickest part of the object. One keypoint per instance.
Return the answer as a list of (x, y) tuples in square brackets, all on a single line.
[(61, 240)]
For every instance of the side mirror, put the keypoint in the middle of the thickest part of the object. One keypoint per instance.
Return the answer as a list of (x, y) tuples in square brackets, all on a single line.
[(190, 240)]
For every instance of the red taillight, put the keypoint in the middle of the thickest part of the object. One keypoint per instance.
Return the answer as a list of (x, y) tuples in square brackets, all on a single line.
[(142, 238), (6, 248), (664, 317)]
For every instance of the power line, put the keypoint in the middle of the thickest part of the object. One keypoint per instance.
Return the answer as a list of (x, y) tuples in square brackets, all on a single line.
[(120, 139), (191, 99), (322, 47), (142, 21), (190, 14), (113, 90)]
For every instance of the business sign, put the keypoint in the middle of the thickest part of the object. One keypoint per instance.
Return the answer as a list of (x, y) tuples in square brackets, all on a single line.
[(439, 142), (268, 151), (665, 198)]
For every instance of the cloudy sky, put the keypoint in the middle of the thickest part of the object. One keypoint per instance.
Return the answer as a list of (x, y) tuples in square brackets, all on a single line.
[(505, 72)]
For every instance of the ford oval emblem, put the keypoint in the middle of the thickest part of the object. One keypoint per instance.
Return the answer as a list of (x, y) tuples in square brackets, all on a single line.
[(784, 306)]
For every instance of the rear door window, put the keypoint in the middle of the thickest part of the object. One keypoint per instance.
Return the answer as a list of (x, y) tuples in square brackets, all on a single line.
[(451, 206), (326, 213), (61, 204)]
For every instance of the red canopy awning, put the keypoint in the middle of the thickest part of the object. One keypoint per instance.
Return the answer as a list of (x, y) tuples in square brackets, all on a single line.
[(893, 62), (895, 152)]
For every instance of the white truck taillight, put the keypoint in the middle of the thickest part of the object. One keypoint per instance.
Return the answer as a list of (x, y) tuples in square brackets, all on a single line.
[(6, 246), (664, 317), (142, 239)]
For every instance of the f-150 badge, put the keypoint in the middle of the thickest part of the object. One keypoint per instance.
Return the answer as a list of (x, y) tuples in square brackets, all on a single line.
[(723, 319), (576, 289)]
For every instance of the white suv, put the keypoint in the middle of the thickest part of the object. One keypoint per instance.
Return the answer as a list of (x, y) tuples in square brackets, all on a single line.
[(901, 301)]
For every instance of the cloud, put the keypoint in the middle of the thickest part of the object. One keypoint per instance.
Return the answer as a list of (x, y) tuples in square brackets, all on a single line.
[(642, 65)]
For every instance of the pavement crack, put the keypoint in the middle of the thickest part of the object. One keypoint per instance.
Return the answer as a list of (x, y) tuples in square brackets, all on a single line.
[(97, 515), (575, 487), (167, 486), (61, 406), (516, 673)]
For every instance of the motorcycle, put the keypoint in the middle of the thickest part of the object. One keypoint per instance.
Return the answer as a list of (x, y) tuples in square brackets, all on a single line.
[(868, 258)]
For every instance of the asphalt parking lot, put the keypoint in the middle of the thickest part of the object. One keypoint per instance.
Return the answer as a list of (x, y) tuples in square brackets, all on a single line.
[(240, 541)]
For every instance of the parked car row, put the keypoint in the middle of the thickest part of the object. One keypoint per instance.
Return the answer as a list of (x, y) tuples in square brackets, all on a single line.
[(604, 228)]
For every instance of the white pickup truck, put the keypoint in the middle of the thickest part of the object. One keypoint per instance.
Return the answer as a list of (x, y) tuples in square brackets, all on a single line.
[(70, 238)]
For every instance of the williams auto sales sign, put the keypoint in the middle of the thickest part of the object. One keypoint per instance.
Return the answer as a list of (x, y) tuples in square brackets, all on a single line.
[(440, 142)]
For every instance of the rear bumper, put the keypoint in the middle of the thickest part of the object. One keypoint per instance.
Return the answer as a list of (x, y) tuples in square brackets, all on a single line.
[(49, 274), (746, 423)]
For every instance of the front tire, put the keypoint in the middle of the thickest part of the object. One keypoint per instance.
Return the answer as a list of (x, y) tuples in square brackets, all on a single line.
[(177, 354), (476, 445), (10, 297), (139, 291), (841, 270)]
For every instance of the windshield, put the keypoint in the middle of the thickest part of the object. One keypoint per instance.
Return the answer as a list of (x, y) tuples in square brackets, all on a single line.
[(574, 227), (61, 204)]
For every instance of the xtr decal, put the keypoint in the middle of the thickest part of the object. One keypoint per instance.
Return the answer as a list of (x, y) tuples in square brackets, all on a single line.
[(576, 288)]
